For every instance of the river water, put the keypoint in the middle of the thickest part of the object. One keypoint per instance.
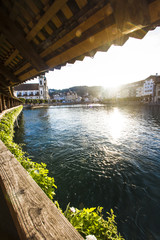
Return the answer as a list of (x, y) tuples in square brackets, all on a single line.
[(101, 156)]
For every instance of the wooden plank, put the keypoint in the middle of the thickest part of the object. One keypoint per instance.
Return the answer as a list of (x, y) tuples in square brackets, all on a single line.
[(130, 15), (56, 21), (97, 17), (34, 214), (48, 29), (67, 12), (12, 56), (107, 35), (154, 11), (81, 3), (7, 74), (30, 74), (10, 30), (32, 6), (27, 65), (24, 12), (41, 36), (54, 8)]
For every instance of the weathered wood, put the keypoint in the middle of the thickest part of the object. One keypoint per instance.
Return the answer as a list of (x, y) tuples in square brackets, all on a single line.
[(3, 103), (56, 21), (10, 30), (57, 29), (54, 8), (106, 36), (154, 11), (27, 65), (32, 6), (130, 15), (8, 102), (28, 75), (67, 12), (7, 74), (81, 3), (77, 32), (12, 56), (34, 215), (1, 108)]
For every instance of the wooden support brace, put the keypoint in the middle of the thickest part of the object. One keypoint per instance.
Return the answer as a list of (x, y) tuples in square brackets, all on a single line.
[(19, 42)]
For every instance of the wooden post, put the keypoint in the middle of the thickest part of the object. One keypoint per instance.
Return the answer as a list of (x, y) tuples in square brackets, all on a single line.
[(1, 108), (8, 102), (3, 103)]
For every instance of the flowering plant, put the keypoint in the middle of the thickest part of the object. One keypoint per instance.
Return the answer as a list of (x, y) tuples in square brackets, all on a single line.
[(90, 224)]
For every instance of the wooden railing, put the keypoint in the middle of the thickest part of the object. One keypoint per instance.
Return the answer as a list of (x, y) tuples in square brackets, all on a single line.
[(7, 102), (34, 215)]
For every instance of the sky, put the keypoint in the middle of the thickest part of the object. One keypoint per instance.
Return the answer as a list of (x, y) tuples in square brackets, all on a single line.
[(135, 60)]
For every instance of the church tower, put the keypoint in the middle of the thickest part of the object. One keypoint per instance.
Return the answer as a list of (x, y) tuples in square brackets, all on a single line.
[(43, 88)]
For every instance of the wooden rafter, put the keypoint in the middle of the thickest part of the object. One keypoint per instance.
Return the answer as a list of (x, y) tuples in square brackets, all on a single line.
[(53, 34), (78, 31), (8, 75), (130, 15), (16, 38), (52, 10)]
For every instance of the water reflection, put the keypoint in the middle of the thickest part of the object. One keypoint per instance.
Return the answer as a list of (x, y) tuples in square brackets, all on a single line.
[(116, 124), (102, 156)]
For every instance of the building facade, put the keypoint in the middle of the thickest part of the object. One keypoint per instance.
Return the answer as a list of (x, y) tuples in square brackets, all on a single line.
[(33, 90), (147, 89), (157, 91)]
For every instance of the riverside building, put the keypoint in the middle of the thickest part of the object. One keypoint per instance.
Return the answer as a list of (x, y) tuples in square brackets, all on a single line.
[(33, 90)]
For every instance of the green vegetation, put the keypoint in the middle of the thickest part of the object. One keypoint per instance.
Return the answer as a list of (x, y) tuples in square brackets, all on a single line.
[(89, 222), (37, 171), (34, 101)]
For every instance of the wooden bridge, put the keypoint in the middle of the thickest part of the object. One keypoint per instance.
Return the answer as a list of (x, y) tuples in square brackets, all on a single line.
[(42, 35)]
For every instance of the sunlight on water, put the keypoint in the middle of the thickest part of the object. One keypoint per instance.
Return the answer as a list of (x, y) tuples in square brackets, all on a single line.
[(117, 124), (101, 155)]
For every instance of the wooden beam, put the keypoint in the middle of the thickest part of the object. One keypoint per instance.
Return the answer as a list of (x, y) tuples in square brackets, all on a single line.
[(154, 11), (27, 65), (108, 35), (14, 35), (98, 16), (12, 56), (81, 3), (8, 75), (52, 10), (30, 74), (67, 12), (34, 214), (130, 15), (78, 31)]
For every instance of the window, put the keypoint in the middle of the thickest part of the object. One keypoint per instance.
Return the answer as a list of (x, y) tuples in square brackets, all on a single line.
[(41, 92), (40, 82)]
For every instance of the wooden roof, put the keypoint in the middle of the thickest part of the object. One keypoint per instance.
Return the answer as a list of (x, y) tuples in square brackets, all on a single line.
[(27, 87), (41, 35)]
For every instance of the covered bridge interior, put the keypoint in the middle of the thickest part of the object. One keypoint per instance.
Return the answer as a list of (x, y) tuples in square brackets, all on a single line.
[(42, 35)]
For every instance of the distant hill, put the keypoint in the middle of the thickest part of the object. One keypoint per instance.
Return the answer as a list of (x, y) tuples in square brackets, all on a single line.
[(94, 91)]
